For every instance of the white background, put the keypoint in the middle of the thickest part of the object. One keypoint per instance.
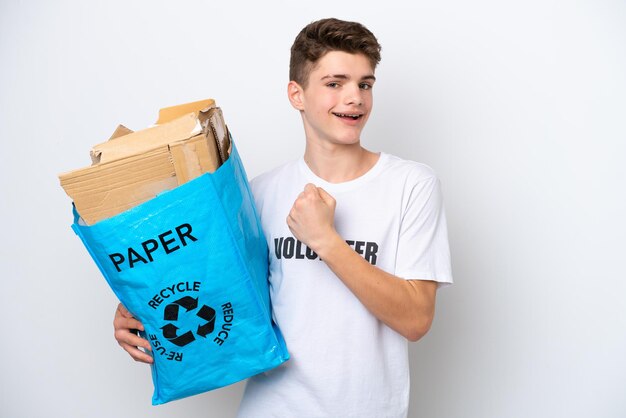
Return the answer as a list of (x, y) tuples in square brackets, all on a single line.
[(520, 107)]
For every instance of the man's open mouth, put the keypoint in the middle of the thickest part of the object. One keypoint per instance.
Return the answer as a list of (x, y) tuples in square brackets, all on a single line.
[(347, 116)]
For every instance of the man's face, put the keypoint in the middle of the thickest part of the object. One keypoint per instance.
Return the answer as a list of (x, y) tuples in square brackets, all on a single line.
[(338, 99)]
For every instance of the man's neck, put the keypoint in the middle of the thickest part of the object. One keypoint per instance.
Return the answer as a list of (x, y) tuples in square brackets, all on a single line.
[(339, 163)]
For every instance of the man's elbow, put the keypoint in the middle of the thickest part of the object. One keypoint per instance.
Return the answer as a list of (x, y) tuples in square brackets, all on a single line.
[(419, 317), (418, 328)]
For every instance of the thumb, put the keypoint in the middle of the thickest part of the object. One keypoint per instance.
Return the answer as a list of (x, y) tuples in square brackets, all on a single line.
[(310, 187), (327, 198)]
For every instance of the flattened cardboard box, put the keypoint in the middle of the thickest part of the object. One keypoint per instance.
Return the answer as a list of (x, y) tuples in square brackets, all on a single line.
[(133, 167)]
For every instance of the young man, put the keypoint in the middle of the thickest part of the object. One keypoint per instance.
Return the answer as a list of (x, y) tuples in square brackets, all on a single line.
[(358, 245)]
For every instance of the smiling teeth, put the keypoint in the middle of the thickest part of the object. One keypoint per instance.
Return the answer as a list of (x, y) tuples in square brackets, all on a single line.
[(343, 115)]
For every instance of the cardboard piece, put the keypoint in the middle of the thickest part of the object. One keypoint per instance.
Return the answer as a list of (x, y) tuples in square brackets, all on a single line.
[(168, 114), (218, 127), (133, 167), (121, 130)]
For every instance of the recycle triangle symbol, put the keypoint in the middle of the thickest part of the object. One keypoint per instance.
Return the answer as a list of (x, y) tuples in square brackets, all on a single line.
[(171, 313)]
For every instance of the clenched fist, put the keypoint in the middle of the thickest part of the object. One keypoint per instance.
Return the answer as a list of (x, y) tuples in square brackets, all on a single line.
[(311, 219)]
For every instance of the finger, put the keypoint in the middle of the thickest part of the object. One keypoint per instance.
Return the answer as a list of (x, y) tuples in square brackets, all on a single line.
[(129, 338), (324, 194), (291, 222), (121, 323), (291, 228), (326, 197), (311, 189), (137, 354)]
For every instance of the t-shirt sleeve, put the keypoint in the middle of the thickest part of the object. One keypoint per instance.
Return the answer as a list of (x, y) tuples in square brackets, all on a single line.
[(423, 249)]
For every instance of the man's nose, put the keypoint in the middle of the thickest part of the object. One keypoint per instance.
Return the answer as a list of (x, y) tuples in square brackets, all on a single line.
[(354, 96)]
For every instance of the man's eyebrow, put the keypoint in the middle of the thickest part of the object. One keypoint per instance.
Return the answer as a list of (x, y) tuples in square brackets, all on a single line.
[(347, 77), (340, 76)]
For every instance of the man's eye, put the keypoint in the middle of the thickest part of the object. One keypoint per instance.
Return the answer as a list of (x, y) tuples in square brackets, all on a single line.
[(365, 86), (333, 85)]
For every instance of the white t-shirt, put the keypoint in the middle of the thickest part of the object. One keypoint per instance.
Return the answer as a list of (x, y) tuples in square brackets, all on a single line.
[(345, 362)]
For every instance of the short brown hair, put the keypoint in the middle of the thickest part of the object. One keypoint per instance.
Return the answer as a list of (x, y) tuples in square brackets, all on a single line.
[(322, 36)]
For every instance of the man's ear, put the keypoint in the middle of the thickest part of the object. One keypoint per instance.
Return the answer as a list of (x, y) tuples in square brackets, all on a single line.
[(295, 94)]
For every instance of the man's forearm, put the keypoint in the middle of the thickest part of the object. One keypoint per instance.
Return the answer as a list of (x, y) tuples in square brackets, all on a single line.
[(407, 306)]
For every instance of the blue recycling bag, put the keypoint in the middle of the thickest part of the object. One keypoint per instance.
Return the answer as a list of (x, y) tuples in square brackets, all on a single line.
[(191, 265)]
